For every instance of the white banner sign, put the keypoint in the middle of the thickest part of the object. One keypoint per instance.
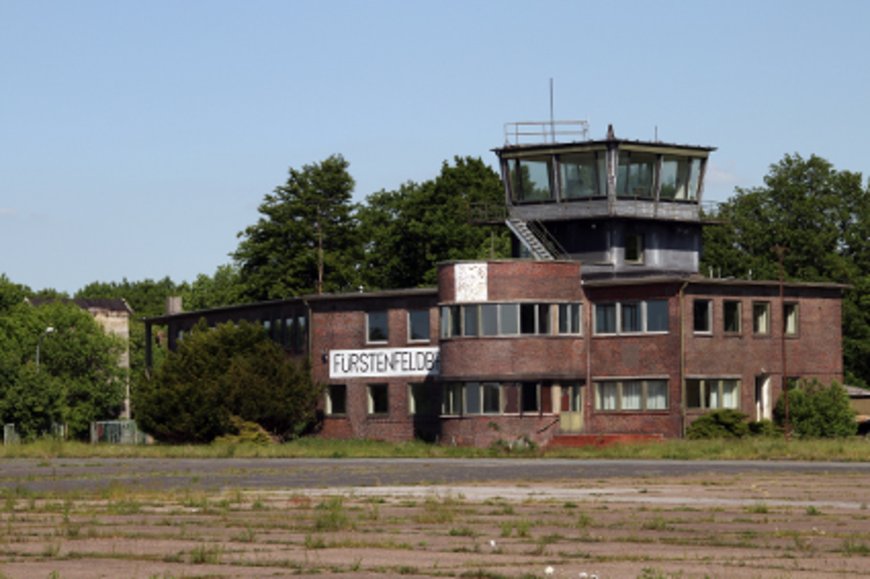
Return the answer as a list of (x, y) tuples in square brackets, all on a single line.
[(384, 362)]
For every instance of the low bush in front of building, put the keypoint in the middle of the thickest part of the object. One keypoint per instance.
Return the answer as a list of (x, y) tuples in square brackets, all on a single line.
[(222, 377), (725, 423), (818, 411)]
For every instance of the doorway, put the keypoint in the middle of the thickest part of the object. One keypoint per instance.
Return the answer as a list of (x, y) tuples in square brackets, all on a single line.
[(763, 410), (571, 412)]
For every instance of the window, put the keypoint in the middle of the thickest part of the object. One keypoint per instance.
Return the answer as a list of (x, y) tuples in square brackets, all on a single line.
[(712, 393), (378, 399), (583, 175), (529, 400), (336, 399), (289, 336), (605, 318), (451, 401), (489, 319), (702, 316), (634, 248), (445, 321), (679, 178), (790, 319), (301, 334), (377, 329), (469, 319), (509, 319), (494, 319), (657, 316), (472, 398), (761, 317), (634, 176), (630, 317), (530, 180), (491, 394), (636, 395), (527, 318), (418, 325), (422, 399), (569, 319), (731, 317), (543, 311)]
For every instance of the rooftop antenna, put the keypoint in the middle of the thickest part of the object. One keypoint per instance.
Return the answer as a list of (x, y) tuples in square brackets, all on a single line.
[(552, 119)]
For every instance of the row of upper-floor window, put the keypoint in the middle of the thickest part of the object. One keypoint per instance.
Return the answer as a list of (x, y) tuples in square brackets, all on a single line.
[(639, 175), (609, 318), (289, 331), (512, 398), (732, 317)]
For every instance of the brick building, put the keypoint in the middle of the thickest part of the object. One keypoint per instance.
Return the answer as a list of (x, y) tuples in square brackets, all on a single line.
[(600, 326)]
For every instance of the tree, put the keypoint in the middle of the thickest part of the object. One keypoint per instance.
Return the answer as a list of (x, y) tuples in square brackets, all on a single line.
[(818, 411), (409, 231), (821, 216), (306, 240), (224, 288), (78, 379), (221, 373)]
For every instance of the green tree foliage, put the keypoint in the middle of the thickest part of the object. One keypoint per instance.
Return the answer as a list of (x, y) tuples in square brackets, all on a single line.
[(818, 411), (221, 373), (146, 297), (409, 231), (725, 423), (224, 288), (78, 379), (306, 239), (821, 216)]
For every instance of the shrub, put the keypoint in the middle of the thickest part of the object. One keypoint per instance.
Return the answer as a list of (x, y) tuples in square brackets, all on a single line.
[(725, 423), (221, 373), (818, 411), (764, 427)]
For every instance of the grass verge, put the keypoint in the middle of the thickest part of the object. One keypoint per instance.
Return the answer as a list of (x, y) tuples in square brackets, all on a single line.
[(849, 449)]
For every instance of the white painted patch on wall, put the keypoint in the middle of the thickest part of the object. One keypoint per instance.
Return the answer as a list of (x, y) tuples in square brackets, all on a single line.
[(471, 282)]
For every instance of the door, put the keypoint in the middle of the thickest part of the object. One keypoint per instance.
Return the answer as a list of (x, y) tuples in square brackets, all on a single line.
[(763, 411), (571, 415)]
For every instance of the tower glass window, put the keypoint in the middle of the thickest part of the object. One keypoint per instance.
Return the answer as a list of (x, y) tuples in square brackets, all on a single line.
[(530, 180), (582, 175), (634, 176)]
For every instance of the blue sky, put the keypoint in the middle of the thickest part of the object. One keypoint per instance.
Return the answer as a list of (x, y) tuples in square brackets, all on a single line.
[(138, 138)]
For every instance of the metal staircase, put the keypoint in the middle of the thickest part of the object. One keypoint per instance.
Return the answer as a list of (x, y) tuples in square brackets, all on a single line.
[(536, 239)]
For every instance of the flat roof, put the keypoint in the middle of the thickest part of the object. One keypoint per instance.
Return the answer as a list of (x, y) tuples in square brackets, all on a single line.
[(599, 143), (411, 292), (701, 280)]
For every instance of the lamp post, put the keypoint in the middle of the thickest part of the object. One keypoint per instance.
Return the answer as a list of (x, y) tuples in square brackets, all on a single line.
[(48, 330)]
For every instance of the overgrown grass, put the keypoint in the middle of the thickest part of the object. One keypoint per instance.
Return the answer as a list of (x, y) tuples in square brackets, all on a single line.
[(850, 449)]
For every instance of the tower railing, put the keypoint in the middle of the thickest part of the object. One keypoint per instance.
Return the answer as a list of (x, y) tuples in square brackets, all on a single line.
[(534, 132)]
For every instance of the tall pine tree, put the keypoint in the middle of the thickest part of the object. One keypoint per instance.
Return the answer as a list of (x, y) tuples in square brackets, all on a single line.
[(306, 239)]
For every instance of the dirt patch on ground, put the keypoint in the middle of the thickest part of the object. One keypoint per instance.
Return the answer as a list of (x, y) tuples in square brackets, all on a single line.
[(746, 525)]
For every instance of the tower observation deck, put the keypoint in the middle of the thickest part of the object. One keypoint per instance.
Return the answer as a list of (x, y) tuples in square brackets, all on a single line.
[(622, 207)]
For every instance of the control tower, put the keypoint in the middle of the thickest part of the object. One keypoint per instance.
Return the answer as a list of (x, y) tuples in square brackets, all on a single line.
[(624, 208)]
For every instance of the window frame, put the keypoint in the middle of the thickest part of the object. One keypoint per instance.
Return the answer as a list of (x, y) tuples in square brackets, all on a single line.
[(410, 319), (369, 327), (372, 399), (709, 317), (757, 330), (795, 308), (704, 384), (725, 317), (619, 384), (329, 403), (637, 243), (619, 318)]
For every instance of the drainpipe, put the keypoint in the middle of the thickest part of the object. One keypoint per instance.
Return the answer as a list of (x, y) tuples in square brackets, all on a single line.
[(682, 360), (587, 321)]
